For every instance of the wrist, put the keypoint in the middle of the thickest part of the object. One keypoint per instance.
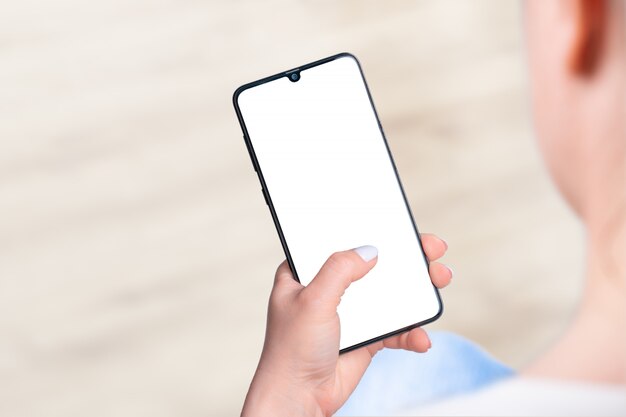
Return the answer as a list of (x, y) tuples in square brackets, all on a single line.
[(268, 397)]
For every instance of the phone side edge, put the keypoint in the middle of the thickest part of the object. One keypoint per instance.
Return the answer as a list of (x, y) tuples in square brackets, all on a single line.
[(439, 312), (257, 169)]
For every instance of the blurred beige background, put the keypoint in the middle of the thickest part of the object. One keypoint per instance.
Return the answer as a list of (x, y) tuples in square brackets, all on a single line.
[(136, 252)]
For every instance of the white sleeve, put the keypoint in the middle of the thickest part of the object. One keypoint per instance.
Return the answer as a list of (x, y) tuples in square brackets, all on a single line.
[(532, 397)]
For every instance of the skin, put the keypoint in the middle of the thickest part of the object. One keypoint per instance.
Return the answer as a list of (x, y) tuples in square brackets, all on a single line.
[(300, 372), (577, 63)]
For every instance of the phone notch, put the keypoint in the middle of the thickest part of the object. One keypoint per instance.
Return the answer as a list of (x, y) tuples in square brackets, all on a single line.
[(294, 75)]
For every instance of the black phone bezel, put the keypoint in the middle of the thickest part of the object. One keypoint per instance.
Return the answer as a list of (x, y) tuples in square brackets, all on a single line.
[(268, 198)]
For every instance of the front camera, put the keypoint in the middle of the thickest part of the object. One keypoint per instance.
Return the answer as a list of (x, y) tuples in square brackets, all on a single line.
[(294, 77)]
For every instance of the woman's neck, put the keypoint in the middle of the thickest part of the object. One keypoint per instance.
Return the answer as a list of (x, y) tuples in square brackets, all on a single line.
[(606, 261), (593, 348)]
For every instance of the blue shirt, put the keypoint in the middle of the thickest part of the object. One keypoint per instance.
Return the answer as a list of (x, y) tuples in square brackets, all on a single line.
[(399, 380)]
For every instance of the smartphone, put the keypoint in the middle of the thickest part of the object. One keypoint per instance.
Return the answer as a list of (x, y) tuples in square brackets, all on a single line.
[(330, 182)]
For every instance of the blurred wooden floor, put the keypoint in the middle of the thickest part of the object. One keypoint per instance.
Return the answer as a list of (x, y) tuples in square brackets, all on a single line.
[(136, 252)]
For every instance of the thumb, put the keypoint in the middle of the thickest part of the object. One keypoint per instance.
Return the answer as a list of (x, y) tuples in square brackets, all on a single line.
[(338, 272)]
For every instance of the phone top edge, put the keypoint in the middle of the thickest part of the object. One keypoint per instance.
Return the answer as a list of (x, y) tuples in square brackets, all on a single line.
[(281, 74)]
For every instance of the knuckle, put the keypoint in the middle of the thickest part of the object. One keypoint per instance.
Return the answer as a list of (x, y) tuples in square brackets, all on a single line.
[(281, 276), (283, 270), (339, 263)]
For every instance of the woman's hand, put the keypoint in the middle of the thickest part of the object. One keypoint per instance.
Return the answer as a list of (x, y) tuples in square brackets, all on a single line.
[(300, 372)]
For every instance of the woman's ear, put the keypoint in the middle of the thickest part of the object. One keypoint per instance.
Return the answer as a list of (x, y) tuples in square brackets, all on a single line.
[(590, 31)]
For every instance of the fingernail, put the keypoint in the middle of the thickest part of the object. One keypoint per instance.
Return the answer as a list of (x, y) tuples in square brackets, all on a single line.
[(445, 243), (367, 252)]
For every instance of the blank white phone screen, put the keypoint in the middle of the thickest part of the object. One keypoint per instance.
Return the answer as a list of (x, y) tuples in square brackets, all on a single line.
[(333, 186)]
